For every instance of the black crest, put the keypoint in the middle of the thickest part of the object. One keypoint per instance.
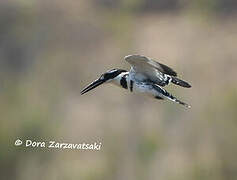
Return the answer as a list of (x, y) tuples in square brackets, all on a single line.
[(113, 73)]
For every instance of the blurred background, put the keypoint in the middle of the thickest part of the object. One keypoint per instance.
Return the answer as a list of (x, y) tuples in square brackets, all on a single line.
[(49, 50)]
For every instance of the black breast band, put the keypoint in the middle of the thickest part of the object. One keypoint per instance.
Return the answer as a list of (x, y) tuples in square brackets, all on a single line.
[(131, 85), (123, 82)]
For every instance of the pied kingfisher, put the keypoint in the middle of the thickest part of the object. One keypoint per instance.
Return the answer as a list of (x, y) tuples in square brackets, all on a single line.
[(145, 76)]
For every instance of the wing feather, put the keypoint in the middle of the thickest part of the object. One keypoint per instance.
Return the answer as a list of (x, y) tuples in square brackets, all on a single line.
[(141, 62)]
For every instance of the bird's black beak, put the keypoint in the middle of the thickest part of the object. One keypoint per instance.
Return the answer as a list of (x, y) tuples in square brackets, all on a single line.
[(93, 85)]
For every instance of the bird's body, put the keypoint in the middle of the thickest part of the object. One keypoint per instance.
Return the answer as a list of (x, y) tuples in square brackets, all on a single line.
[(145, 76)]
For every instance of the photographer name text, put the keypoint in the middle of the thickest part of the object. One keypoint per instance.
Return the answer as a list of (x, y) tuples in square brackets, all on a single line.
[(59, 145)]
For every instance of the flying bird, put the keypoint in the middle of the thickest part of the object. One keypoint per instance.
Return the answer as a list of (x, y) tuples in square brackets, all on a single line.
[(145, 76)]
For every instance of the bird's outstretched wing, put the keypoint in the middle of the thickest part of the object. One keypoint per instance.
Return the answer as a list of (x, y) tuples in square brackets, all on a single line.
[(144, 64), (146, 69)]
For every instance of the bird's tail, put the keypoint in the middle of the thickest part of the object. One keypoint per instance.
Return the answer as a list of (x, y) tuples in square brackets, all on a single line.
[(180, 82), (164, 94)]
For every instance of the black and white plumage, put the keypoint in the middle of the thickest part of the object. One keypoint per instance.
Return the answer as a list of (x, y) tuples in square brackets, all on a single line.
[(145, 76)]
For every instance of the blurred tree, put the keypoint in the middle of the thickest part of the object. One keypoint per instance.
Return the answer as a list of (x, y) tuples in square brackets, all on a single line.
[(227, 6), (217, 6), (160, 5)]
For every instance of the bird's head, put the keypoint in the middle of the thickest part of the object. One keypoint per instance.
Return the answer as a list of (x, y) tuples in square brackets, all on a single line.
[(104, 78)]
